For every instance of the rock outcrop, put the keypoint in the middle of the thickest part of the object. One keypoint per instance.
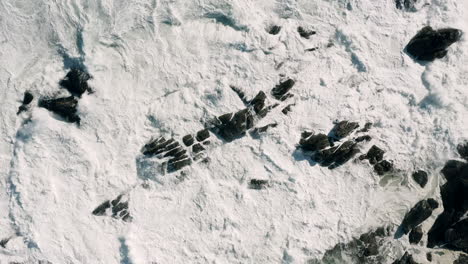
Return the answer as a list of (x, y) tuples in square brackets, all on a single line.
[(420, 177), (429, 44), (418, 214), (64, 107), (76, 82)]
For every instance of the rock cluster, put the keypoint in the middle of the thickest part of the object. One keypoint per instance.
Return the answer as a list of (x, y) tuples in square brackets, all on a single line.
[(117, 208), (429, 44), (451, 227), (375, 157)]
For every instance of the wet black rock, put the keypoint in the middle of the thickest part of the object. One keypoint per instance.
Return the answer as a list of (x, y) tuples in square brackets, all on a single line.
[(202, 135), (420, 177), (337, 156), (383, 167), (287, 109), (305, 33), (452, 169), (27, 99), (158, 146), (418, 214), (429, 256), (343, 129), (363, 250), (232, 126), (177, 164), (429, 44), (76, 82), (415, 235), (197, 148), (280, 91), (374, 155), (274, 30), (405, 259), (263, 129), (311, 49), (239, 93), (64, 107), (366, 127), (258, 184), (310, 142), (407, 5), (462, 149), (462, 259), (188, 140), (363, 138), (118, 209)]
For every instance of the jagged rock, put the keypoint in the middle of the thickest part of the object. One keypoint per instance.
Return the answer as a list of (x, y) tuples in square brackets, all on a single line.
[(280, 91), (305, 33), (462, 149), (408, 5), (312, 142), (363, 138), (457, 235), (258, 102), (197, 148), (188, 140), (274, 30), (363, 250), (287, 109), (258, 184), (343, 129), (374, 155), (118, 209), (406, 259), (429, 256), (336, 156), (418, 214), (367, 127), (232, 126), (420, 177), (202, 135), (239, 93), (415, 235), (64, 107), (452, 169), (27, 99), (429, 44), (158, 146), (76, 82), (462, 259), (383, 167), (263, 129)]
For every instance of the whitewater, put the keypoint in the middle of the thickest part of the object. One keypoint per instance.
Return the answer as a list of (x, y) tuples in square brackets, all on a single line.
[(164, 68)]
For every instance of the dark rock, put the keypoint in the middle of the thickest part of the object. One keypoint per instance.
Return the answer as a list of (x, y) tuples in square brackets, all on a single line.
[(202, 135), (178, 164), (263, 129), (119, 209), (310, 142), (239, 93), (429, 256), (336, 156), (258, 102), (415, 235), (363, 138), (407, 5), (462, 149), (197, 148), (76, 82), (282, 89), (188, 140), (311, 49), (452, 169), (429, 44), (64, 107), (406, 259), (363, 250), (28, 97), (101, 209), (418, 214), (287, 109), (258, 184), (305, 33), (343, 129), (462, 259), (234, 126), (383, 167), (374, 155), (420, 177), (367, 127), (274, 30), (4, 242)]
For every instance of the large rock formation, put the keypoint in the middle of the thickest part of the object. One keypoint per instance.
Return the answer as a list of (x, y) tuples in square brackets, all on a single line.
[(418, 214), (429, 44), (76, 82), (64, 107)]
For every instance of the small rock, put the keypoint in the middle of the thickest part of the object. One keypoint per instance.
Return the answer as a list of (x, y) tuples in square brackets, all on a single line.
[(429, 44), (462, 149), (374, 155), (4, 242), (188, 140), (263, 129), (367, 127), (28, 97), (64, 107), (429, 256), (197, 148), (343, 129), (202, 135), (258, 184), (418, 214), (76, 82), (274, 30), (420, 177), (311, 142), (287, 109), (178, 164), (305, 33), (408, 5), (363, 138), (383, 167), (239, 93), (415, 235), (282, 89)]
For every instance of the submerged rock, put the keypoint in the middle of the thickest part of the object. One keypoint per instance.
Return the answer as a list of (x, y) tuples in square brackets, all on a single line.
[(420, 177), (415, 235), (429, 44), (418, 214), (305, 33), (383, 167), (274, 30), (27, 99), (64, 107), (76, 82)]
